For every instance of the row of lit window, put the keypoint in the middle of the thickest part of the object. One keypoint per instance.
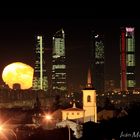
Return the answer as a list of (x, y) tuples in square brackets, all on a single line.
[(59, 66), (130, 60), (130, 45), (73, 113), (59, 88), (131, 83), (39, 51), (99, 62)]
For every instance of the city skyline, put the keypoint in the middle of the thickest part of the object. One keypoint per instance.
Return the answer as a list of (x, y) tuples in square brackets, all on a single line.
[(81, 53), (17, 41)]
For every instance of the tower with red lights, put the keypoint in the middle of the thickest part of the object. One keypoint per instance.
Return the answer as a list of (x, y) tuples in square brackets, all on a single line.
[(127, 59)]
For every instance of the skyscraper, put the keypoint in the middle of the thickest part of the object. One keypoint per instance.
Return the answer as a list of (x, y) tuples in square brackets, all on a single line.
[(97, 60), (40, 81), (127, 61), (59, 85)]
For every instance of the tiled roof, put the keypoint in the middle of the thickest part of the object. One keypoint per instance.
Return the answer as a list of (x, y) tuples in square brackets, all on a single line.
[(73, 109)]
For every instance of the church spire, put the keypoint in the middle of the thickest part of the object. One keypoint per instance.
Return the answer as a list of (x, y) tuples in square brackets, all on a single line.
[(89, 82)]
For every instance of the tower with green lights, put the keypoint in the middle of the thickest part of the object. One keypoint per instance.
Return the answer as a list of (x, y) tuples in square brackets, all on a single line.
[(97, 60), (59, 85), (40, 81)]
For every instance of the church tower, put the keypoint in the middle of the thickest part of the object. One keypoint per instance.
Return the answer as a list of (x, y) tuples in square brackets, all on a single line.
[(89, 101)]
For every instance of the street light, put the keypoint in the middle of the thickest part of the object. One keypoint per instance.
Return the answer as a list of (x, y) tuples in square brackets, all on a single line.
[(48, 117), (4, 131), (47, 121), (1, 128), (69, 131)]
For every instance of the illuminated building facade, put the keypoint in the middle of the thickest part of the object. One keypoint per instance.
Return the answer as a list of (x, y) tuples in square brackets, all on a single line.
[(59, 85), (89, 110), (97, 60), (73, 114), (89, 101), (127, 59), (40, 81)]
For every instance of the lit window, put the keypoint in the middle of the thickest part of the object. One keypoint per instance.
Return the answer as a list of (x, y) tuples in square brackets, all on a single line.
[(131, 83), (88, 98)]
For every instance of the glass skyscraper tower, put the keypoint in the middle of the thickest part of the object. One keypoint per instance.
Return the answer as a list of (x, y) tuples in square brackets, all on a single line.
[(97, 60), (59, 85), (40, 81), (127, 61)]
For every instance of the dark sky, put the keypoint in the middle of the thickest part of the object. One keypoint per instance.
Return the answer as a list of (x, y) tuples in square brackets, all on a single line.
[(19, 26)]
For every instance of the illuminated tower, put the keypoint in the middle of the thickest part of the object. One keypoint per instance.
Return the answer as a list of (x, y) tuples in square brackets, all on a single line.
[(89, 101), (40, 81), (97, 60), (127, 61), (59, 64)]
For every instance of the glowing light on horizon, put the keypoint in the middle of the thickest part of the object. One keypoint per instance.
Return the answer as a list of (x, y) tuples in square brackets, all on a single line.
[(20, 73), (5, 131)]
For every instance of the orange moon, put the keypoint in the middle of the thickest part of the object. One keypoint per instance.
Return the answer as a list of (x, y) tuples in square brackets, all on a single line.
[(18, 73)]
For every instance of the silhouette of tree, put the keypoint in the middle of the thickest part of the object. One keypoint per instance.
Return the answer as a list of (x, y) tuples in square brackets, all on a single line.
[(56, 104), (108, 104)]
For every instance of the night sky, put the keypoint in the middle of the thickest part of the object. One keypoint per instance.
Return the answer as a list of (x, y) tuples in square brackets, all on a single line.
[(18, 28)]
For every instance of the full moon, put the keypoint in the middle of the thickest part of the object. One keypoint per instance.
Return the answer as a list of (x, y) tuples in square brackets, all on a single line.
[(18, 73)]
